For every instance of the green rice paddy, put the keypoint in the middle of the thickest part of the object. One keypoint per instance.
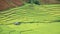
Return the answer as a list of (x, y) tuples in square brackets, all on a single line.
[(35, 19)]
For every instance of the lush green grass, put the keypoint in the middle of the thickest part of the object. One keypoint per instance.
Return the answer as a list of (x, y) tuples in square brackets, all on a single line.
[(34, 28), (44, 14), (28, 13)]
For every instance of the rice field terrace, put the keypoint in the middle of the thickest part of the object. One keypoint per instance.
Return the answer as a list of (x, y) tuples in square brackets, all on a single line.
[(31, 19)]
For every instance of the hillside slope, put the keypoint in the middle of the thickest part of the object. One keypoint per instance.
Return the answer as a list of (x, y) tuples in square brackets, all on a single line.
[(36, 19)]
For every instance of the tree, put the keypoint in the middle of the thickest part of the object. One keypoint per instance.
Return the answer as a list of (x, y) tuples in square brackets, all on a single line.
[(34, 1)]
